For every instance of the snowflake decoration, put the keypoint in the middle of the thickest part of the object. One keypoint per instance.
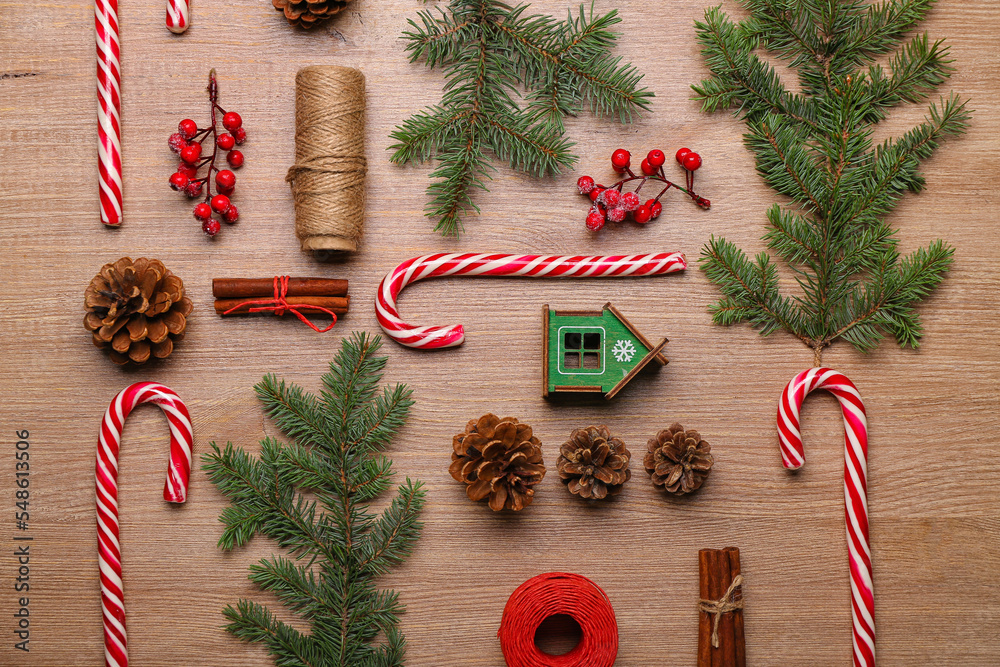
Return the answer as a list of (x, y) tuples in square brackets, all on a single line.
[(623, 350)]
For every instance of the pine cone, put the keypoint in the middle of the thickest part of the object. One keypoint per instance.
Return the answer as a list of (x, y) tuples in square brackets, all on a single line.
[(678, 460), (307, 13), (499, 458), (594, 463), (138, 308)]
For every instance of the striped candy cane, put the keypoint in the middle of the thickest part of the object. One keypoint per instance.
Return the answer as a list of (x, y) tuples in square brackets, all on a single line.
[(492, 264), (174, 491), (855, 489), (178, 15), (109, 110)]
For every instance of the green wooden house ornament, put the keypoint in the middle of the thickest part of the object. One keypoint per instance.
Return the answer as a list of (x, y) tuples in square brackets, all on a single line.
[(593, 351)]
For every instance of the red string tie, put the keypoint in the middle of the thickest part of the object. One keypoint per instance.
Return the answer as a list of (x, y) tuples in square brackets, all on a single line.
[(278, 304)]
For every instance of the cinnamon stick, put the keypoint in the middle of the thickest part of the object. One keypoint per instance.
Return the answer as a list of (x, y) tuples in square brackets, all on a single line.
[(339, 305), (727, 645), (234, 288), (704, 619), (739, 639)]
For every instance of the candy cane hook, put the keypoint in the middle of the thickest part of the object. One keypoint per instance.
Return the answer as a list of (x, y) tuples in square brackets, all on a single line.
[(855, 489), (492, 264), (178, 15), (174, 491)]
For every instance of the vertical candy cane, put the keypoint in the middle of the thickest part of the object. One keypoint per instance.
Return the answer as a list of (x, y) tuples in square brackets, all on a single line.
[(178, 15), (855, 489), (109, 110), (174, 491), (490, 264)]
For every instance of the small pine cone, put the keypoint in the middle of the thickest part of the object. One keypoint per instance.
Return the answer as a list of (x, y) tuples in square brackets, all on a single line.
[(499, 458), (138, 309), (308, 13), (593, 463), (678, 460)]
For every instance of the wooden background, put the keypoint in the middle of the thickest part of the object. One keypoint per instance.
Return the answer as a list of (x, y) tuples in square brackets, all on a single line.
[(934, 466)]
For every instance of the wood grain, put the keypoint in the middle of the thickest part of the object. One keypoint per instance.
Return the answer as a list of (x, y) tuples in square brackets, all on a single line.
[(935, 460)]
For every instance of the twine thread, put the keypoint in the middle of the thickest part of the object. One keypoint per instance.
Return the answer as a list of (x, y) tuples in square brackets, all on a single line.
[(721, 606), (278, 304), (559, 593), (328, 177)]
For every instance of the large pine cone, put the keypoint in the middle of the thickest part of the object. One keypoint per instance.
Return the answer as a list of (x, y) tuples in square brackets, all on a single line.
[(307, 13), (678, 460), (138, 308), (593, 463), (499, 458)]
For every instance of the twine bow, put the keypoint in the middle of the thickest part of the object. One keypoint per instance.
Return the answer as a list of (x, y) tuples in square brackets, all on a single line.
[(721, 606), (278, 304)]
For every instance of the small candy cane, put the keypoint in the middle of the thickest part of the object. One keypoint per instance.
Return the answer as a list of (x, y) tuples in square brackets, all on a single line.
[(178, 15), (489, 264), (855, 489), (174, 491), (109, 110)]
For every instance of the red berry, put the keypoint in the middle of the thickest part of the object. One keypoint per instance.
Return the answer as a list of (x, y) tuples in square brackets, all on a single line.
[(595, 219), (225, 141), (585, 184), (630, 201), (692, 161), (235, 159), (225, 179), (220, 203), (211, 226), (203, 211), (620, 160), (187, 170), (596, 192), (655, 210), (240, 135), (616, 214), (187, 128), (656, 158), (642, 214), (178, 181), (681, 154), (176, 142), (647, 168), (193, 188), (191, 153), (610, 198), (232, 215), (232, 121)]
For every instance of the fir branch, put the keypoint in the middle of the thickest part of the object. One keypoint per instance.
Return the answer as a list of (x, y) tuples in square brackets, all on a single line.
[(338, 547), (816, 148), (494, 54)]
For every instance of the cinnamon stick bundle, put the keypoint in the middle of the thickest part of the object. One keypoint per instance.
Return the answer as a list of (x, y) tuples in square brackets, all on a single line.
[(235, 288), (721, 609)]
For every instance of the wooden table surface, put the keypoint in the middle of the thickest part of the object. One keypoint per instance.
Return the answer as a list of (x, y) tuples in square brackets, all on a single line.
[(934, 464)]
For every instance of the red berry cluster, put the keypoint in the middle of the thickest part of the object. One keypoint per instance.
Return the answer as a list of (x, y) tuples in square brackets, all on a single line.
[(187, 142), (614, 204)]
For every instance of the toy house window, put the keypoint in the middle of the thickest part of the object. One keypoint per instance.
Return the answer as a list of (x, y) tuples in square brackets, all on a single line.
[(581, 350)]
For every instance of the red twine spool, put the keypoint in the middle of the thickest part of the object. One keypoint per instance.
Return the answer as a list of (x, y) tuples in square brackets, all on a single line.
[(551, 594)]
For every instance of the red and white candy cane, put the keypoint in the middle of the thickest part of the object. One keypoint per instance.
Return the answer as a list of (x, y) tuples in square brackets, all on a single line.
[(855, 488), (174, 491), (494, 264), (109, 110), (178, 15)]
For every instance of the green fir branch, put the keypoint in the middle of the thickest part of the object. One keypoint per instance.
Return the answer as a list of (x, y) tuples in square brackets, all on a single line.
[(816, 149), (510, 80), (336, 547)]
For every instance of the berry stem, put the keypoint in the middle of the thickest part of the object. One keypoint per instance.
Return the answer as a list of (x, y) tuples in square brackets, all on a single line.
[(213, 99)]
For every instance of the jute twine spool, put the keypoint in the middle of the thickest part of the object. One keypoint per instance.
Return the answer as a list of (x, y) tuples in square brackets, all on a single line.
[(328, 178), (559, 593)]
